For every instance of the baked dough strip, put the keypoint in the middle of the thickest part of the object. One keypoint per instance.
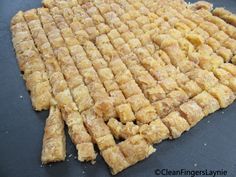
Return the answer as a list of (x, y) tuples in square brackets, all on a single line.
[(54, 140), (225, 15)]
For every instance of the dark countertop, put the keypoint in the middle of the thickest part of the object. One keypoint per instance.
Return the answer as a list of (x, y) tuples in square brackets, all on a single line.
[(209, 145)]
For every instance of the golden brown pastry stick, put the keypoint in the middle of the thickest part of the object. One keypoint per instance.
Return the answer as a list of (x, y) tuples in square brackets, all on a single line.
[(225, 15), (54, 144)]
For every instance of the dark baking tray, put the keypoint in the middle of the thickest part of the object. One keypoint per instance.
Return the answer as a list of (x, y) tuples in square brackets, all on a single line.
[(209, 145)]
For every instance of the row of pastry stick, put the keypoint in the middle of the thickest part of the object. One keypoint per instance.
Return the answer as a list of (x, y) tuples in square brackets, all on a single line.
[(225, 15), (106, 144)]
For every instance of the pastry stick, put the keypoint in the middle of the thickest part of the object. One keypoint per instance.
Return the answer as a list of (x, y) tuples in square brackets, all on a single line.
[(30, 64), (54, 145), (201, 5), (225, 15), (60, 90)]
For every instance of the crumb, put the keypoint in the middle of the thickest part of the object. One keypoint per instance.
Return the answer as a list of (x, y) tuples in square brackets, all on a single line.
[(6, 132), (67, 160), (195, 165), (83, 172), (70, 156), (75, 157), (222, 112), (41, 165), (93, 162), (50, 165), (21, 97), (205, 144), (208, 121)]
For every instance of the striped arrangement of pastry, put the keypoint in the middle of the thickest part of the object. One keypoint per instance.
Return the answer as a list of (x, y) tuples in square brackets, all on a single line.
[(139, 72)]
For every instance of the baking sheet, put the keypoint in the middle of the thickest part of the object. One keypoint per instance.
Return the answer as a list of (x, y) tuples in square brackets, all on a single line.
[(210, 145)]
